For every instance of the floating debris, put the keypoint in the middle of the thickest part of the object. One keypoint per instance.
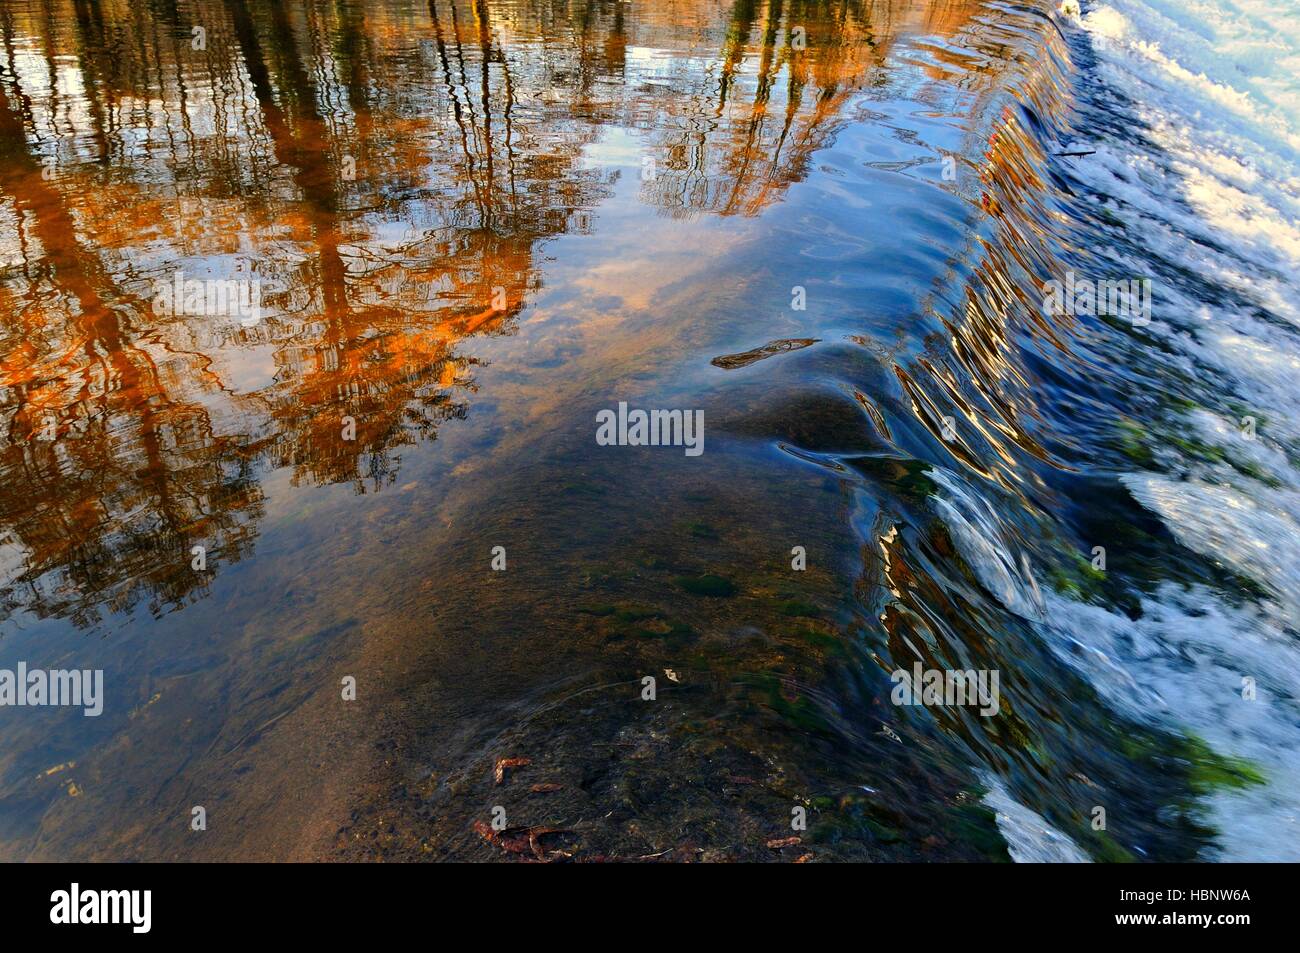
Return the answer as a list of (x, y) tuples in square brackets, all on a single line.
[(505, 764), (730, 362)]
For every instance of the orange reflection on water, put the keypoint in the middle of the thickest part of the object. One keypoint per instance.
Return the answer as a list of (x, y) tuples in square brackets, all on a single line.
[(386, 176)]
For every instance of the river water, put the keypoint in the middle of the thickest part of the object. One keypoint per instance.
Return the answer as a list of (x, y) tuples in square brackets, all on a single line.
[(341, 554)]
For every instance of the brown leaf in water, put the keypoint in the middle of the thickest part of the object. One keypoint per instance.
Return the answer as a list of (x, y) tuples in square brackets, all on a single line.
[(535, 835), (804, 858), (545, 788), (515, 841), (778, 843), (732, 361), (505, 763), (522, 840)]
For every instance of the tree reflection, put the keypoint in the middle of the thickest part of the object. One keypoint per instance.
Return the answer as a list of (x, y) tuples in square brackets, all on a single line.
[(387, 173)]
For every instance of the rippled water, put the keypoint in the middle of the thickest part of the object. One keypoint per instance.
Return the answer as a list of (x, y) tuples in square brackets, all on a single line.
[(474, 226)]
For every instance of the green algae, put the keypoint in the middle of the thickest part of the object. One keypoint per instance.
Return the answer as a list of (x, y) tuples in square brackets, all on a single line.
[(707, 585), (1132, 443), (794, 607), (1208, 771), (1077, 578)]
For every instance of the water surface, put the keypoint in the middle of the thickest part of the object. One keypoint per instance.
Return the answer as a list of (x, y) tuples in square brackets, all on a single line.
[(474, 226)]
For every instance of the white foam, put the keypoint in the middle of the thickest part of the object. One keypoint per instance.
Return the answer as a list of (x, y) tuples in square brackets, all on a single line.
[(1182, 665), (973, 526), (1030, 839), (1257, 534), (1210, 185), (1211, 179), (1179, 667), (1207, 185)]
